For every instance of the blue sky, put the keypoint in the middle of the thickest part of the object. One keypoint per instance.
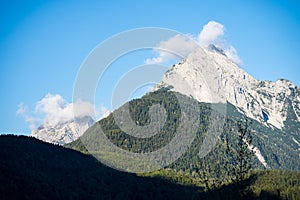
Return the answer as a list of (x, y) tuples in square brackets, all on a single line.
[(43, 43)]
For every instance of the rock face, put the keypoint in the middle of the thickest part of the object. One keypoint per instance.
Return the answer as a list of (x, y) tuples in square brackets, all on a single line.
[(63, 133), (208, 75)]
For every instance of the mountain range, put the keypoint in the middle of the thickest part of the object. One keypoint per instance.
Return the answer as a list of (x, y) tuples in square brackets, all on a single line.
[(208, 78), (194, 112), (213, 82)]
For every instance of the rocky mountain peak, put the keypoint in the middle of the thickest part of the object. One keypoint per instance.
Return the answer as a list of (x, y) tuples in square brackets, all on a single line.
[(209, 76), (65, 132), (213, 48)]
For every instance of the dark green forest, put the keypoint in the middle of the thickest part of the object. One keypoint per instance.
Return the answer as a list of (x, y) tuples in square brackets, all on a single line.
[(32, 169), (275, 145)]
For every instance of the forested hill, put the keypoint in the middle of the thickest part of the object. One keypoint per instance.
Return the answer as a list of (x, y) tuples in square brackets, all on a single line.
[(277, 150), (32, 169)]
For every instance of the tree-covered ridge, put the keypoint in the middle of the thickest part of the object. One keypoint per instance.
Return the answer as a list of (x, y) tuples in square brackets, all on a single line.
[(32, 169), (261, 184), (276, 146)]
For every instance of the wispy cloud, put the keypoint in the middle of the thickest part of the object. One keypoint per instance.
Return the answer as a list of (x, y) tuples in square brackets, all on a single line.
[(232, 54), (211, 33), (54, 109), (23, 111), (172, 49)]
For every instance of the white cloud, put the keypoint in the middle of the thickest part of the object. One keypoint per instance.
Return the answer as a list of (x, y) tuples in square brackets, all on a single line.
[(58, 110), (102, 112), (53, 109), (156, 60), (175, 48), (231, 53), (211, 33), (23, 111)]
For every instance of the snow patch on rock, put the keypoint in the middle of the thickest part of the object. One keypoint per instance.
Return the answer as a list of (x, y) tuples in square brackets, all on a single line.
[(295, 141), (258, 154)]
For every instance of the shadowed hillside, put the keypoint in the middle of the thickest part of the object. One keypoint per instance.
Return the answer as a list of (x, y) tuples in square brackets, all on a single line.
[(32, 169)]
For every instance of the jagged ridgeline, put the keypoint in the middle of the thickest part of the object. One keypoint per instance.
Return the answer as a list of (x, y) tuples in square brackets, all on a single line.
[(276, 148)]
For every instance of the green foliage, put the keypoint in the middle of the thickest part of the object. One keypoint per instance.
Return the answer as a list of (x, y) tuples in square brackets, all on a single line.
[(279, 184), (276, 146), (240, 160), (177, 177), (226, 169), (32, 169)]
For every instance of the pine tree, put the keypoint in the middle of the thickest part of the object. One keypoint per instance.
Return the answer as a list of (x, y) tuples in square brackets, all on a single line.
[(240, 159)]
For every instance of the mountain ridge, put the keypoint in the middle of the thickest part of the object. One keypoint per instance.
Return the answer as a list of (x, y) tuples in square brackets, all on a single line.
[(275, 148), (209, 76)]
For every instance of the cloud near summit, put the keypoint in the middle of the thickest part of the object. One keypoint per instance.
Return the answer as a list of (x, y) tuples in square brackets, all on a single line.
[(211, 33), (175, 47), (180, 46), (54, 109)]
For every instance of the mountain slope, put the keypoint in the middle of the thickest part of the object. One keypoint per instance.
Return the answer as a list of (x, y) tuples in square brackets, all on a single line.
[(224, 94), (209, 76), (32, 169), (275, 146)]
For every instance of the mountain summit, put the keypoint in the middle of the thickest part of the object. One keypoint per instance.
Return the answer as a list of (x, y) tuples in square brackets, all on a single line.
[(63, 133), (208, 75)]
